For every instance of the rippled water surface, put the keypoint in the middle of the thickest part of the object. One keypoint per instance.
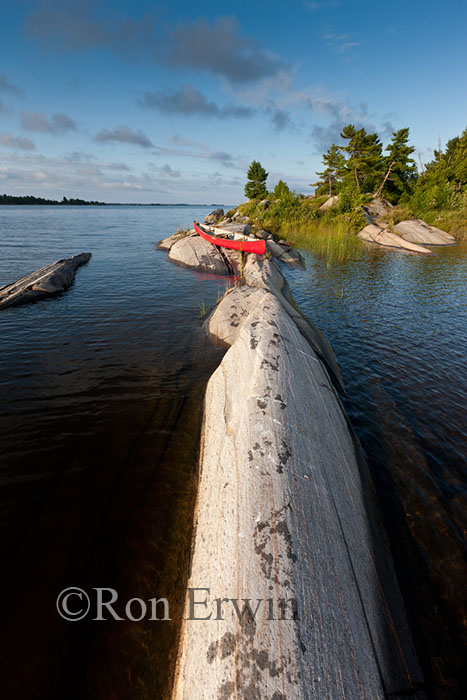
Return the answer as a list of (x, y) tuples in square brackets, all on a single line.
[(100, 415), (99, 427), (398, 326)]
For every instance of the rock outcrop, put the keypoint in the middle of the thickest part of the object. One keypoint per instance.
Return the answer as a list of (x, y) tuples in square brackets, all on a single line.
[(197, 253), (292, 592), (377, 208), (332, 201), (49, 280), (385, 237), (190, 250), (167, 243), (418, 231), (214, 216)]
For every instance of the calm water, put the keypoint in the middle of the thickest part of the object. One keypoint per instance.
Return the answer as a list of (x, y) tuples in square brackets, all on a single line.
[(100, 414), (99, 425), (398, 326)]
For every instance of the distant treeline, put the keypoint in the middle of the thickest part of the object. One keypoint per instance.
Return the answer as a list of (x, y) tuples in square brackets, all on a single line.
[(29, 199)]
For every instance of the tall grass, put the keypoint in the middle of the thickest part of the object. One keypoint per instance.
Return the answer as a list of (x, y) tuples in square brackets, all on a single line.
[(328, 238), (330, 234)]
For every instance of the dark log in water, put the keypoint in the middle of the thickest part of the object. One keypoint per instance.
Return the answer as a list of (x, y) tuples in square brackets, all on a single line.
[(51, 279)]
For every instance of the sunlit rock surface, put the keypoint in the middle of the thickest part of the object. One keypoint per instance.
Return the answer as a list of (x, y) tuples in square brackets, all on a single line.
[(286, 520)]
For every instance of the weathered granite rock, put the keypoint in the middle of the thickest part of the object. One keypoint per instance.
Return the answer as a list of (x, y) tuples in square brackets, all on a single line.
[(214, 216), (284, 253), (262, 234), (329, 203), (379, 207), (197, 253), (265, 274), (286, 522), (384, 237), (49, 280), (265, 204), (418, 231), (292, 257), (167, 243), (276, 249)]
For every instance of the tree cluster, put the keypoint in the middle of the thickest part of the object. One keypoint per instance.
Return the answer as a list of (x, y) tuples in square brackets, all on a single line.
[(361, 164), (443, 181)]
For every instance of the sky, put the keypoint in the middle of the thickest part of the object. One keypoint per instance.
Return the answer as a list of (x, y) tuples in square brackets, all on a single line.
[(155, 102)]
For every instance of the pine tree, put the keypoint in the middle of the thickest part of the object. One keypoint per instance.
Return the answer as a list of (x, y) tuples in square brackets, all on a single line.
[(365, 162), (401, 170), (256, 184), (335, 167), (281, 190)]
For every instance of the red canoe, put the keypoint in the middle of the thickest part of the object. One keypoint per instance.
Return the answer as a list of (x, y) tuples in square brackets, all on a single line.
[(258, 247)]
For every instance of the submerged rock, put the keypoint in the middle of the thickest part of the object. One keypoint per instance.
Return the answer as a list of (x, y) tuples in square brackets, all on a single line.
[(49, 280), (418, 231)]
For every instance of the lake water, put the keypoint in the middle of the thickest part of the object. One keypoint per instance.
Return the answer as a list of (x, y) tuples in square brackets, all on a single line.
[(100, 415)]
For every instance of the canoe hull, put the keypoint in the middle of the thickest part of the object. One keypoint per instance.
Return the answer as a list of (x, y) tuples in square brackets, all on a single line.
[(258, 247)]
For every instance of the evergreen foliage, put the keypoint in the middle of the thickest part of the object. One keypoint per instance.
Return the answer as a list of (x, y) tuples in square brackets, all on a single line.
[(281, 190), (365, 162), (256, 183), (359, 170), (334, 161), (401, 166)]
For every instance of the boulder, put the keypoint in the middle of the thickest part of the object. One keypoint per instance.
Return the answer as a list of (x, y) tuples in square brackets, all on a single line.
[(197, 253), (243, 219), (49, 280), (262, 234), (379, 207), (214, 216), (329, 203), (265, 204), (276, 249), (384, 237), (288, 537), (418, 231)]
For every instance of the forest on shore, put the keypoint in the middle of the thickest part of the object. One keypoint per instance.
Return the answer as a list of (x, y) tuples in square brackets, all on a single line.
[(355, 172), (29, 199)]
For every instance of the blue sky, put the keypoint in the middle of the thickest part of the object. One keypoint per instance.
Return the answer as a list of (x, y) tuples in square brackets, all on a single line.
[(151, 102)]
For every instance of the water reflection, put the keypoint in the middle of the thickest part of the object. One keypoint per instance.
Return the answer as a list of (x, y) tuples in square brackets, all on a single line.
[(396, 324), (101, 408)]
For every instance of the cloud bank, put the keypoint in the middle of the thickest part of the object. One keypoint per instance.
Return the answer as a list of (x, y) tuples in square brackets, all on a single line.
[(189, 101), (123, 134), (58, 124)]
